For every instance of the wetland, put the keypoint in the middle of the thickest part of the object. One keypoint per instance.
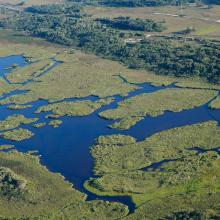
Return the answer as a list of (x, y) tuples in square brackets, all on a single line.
[(101, 161), (109, 112)]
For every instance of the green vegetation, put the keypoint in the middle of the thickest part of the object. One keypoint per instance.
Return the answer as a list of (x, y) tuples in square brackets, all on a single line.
[(55, 123), (132, 110), (6, 147), (178, 171), (39, 125), (18, 107), (127, 23), (20, 75), (155, 148), (197, 59), (215, 104), (17, 134), (45, 195), (72, 10), (15, 121), (78, 108), (12, 186)]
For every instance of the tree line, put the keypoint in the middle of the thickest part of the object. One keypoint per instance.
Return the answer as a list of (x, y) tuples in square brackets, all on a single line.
[(159, 55)]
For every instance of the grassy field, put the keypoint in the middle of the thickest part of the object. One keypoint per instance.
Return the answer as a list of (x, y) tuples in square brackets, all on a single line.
[(207, 28)]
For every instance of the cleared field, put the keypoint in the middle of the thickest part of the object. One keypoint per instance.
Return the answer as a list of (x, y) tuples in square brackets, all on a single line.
[(204, 20)]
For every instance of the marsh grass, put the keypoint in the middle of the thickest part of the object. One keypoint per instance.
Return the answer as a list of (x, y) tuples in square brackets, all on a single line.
[(134, 109), (121, 162), (14, 121), (78, 108), (19, 134), (48, 195), (215, 104), (55, 123)]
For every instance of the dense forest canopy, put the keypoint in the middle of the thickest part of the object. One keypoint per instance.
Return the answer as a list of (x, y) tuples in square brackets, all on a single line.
[(162, 56), (136, 24)]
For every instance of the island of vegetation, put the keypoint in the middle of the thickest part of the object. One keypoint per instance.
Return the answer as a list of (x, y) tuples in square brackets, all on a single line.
[(132, 110), (19, 134), (15, 121), (165, 167)]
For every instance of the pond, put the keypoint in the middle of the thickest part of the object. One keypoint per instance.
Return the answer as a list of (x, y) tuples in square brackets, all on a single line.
[(66, 149)]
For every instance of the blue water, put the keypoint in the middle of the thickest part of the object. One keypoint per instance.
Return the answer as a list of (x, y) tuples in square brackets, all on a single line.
[(66, 149), (7, 62)]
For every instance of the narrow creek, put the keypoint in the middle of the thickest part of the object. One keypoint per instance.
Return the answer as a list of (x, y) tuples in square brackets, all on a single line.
[(66, 149)]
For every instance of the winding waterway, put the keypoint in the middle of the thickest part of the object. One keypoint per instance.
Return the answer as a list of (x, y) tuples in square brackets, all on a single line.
[(66, 149)]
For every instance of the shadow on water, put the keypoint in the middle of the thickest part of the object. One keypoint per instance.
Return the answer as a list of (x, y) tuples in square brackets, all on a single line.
[(66, 149)]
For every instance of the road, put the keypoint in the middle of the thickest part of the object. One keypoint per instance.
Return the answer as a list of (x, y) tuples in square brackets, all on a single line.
[(12, 8)]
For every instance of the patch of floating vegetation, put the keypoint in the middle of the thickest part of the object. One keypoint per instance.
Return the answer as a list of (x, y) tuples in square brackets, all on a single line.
[(47, 195), (15, 121), (18, 107), (134, 109), (78, 108), (39, 125), (215, 104), (21, 75), (55, 123), (53, 116), (119, 163), (17, 134), (6, 147)]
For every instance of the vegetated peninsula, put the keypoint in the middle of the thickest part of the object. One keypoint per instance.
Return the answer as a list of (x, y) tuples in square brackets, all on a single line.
[(73, 69)]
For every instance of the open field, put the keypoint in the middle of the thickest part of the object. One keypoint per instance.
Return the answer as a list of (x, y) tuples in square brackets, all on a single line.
[(195, 17)]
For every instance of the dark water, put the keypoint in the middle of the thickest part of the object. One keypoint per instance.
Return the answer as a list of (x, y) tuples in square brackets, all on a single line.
[(66, 149)]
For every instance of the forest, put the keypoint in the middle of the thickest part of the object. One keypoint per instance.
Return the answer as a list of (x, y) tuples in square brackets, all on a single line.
[(191, 59), (127, 23)]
